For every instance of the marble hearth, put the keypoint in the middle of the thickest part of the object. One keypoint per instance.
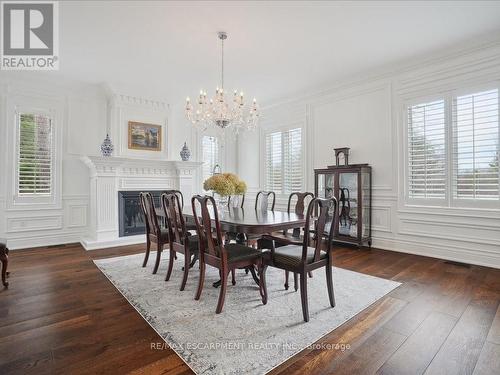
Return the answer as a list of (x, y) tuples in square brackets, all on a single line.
[(109, 175)]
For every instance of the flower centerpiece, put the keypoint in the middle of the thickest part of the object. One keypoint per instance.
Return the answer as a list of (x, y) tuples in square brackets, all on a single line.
[(224, 185)]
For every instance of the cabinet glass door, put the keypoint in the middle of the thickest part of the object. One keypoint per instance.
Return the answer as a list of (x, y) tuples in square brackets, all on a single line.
[(326, 183), (348, 204)]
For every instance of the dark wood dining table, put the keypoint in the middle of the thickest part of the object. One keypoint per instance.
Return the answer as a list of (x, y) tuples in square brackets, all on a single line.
[(249, 221)]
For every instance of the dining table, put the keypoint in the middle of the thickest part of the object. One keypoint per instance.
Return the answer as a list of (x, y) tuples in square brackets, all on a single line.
[(247, 220)]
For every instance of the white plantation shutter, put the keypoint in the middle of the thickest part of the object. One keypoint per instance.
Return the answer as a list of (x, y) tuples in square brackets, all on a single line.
[(427, 151), (476, 146), (35, 155), (292, 157), (284, 161), (210, 153), (274, 162)]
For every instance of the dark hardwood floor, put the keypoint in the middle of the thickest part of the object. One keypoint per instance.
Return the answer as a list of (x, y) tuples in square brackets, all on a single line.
[(61, 315)]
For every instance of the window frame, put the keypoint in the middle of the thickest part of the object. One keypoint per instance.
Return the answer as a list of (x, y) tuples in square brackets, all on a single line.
[(54, 108), (219, 156), (448, 96), (34, 196), (283, 128), (467, 202)]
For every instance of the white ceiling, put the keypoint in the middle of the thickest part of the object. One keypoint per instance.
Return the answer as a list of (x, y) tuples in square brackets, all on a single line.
[(274, 48)]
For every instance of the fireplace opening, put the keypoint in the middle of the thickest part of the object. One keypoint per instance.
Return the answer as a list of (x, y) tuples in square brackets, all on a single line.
[(130, 217)]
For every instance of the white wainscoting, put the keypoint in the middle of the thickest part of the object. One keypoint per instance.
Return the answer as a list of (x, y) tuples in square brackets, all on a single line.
[(34, 228)]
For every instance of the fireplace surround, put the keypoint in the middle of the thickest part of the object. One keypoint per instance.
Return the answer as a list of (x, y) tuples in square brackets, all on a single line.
[(111, 175)]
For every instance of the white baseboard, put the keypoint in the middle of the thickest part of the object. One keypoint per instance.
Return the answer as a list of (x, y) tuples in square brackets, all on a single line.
[(453, 253), (42, 241), (89, 244)]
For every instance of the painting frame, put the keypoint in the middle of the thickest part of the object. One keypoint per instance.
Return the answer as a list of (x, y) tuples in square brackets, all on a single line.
[(137, 127)]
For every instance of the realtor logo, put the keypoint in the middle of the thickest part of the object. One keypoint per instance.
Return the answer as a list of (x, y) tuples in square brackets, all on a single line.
[(29, 35)]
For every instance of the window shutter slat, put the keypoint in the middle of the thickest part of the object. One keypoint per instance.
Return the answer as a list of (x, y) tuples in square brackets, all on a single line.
[(284, 161), (426, 151), (34, 155), (210, 151), (475, 146)]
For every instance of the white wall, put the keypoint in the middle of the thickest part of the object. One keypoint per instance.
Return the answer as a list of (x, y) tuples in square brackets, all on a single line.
[(367, 117)]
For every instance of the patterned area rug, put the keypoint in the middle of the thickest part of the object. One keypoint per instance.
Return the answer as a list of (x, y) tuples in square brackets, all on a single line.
[(247, 337)]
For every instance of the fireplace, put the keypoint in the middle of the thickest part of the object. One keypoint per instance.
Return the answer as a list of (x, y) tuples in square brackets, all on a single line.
[(115, 217), (130, 217)]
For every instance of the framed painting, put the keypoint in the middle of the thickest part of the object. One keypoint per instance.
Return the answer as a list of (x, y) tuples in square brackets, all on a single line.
[(142, 136)]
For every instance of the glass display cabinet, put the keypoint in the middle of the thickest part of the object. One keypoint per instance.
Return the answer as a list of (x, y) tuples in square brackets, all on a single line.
[(351, 185)]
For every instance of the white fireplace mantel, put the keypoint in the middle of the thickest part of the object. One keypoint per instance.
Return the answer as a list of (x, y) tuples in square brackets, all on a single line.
[(109, 175)]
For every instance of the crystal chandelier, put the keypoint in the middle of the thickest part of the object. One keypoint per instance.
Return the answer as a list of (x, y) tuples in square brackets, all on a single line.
[(222, 112)]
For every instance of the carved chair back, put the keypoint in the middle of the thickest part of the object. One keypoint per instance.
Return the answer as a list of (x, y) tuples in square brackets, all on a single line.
[(149, 211), (300, 203), (326, 213), (204, 211), (236, 201), (174, 218), (262, 200), (179, 194), (299, 207)]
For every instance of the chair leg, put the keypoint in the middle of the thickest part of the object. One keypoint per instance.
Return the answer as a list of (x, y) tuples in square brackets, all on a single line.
[(303, 296), (148, 248), (296, 281), (200, 281), (171, 258), (287, 274), (222, 293), (193, 262), (187, 258), (254, 275), (5, 263), (233, 277), (329, 284), (263, 286), (158, 257), (246, 271), (310, 274)]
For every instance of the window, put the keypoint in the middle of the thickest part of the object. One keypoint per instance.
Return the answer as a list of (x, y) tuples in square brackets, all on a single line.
[(210, 153), (475, 146), (453, 160), (426, 151), (35, 155), (283, 162)]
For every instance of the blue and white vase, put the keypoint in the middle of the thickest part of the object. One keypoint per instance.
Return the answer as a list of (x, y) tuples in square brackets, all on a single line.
[(185, 153), (107, 147)]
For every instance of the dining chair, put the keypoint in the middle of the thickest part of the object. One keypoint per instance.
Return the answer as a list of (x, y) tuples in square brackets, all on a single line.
[(299, 210), (236, 201), (189, 226), (300, 257), (215, 253), (300, 203), (262, 200), (154, 232), (180, 240)]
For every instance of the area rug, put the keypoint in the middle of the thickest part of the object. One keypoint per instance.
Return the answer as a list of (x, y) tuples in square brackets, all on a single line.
[(247, 337)]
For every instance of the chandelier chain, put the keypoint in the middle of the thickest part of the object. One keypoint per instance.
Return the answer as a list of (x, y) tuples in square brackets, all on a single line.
[(222, 70)]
